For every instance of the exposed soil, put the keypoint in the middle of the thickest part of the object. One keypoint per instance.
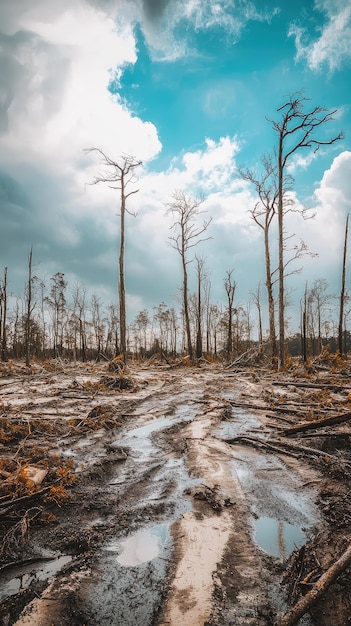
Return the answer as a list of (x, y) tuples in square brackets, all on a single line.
[(171, 495)]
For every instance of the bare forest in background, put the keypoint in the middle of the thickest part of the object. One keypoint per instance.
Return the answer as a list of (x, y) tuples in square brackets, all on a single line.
[(54, 319)]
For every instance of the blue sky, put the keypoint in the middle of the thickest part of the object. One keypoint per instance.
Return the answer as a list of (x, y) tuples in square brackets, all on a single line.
[(187, 87)]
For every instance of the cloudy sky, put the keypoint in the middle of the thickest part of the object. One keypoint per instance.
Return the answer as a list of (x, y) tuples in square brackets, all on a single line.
[(186, 86)]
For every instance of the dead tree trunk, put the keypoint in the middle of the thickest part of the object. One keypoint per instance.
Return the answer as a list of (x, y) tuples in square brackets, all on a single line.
[(3, 320), (29, 294), (230, 287), (305, 603), (342, 295)]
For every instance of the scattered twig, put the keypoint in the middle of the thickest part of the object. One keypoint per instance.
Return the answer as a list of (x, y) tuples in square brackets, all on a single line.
[(19, 532)]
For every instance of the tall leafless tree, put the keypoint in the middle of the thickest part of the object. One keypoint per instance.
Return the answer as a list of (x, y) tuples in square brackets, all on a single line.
[(342, 294), (266, 187), (304, 326), (29, 307), (230, 287), (317, 299), (57, 304), (98, 324), (256, 297), (119, 175), (141, 324), (3, 316), (295, 130), (200, 274), (187, 234)]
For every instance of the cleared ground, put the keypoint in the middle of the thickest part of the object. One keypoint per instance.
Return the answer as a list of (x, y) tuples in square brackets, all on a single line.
[(168, 494)]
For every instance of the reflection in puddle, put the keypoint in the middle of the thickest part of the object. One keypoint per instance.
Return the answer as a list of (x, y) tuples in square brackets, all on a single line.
[(147, 429), (143, 546), (277, 538), (23, 577)]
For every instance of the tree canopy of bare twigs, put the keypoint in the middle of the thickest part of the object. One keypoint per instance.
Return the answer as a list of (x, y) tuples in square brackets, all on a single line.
[(295, 130)]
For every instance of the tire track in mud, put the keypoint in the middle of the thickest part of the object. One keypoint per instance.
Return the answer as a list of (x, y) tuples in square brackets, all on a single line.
[(215, 571), (217, 526)]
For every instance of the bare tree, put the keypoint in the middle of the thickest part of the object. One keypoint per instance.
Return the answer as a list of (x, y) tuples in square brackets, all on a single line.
[(98, 324), (78, 319), (42, 289), (141, 323), (3, 316), (161, 317), (200, 272), (119, 174), (230, 286), (207, 300), (29, 307), (256, 297), (315, 300), (214, 317), (185, 210), (112, 339), (266, 186), (57, 303), (295, 130), (304, 326), (342, 294)]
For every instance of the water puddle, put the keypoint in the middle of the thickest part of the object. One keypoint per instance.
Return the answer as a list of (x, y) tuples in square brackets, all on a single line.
[(240, 423), (22, 577), (130, 586), (139, 440), (148, 429), (143, 546), (282, 507), (276, 537)]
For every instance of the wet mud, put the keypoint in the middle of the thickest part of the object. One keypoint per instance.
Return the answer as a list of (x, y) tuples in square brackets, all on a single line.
[(171, 518)]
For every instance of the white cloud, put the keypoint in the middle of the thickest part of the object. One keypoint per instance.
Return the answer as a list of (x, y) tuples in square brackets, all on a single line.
[(300, 162), (55, 66), (161, 28), (334, 193), (209, 170), (61, 103), (332, 47), (225, 14), (324, 234)]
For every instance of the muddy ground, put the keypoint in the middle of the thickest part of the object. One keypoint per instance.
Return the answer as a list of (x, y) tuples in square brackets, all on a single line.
[(172, 495)]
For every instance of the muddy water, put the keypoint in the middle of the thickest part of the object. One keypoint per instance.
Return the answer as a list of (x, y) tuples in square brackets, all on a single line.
[(132, 568), (130, 586), (283, 510), (15, 579)]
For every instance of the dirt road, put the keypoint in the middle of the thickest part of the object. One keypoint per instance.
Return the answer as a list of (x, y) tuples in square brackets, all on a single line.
[(172, 519)]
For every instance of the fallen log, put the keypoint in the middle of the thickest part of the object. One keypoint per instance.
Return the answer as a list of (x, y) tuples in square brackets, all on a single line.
[(259, 443), (305, 603), (277, 445), (308, 385), (326, 421)]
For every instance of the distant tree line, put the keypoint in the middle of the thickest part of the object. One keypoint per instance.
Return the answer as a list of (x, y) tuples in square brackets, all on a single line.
[(52, 319)]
